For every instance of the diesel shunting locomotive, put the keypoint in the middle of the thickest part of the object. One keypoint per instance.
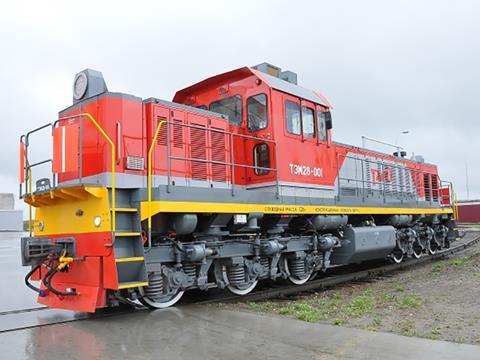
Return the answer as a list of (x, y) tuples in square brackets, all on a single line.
[(235, 181)]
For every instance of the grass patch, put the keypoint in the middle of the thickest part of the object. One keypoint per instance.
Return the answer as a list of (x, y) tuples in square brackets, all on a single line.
[(457, 262), (410, 301), (407, 328), (360, 305), (263, 306), (301, 311), (452, 263)]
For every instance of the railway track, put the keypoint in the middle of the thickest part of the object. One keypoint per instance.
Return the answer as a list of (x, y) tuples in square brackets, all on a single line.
[(54, 317), (22, 311)]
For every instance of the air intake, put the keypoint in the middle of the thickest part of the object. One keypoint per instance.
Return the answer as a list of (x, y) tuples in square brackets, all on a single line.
[(273, 70)]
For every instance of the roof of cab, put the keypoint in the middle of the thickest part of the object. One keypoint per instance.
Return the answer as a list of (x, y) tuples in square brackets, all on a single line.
[(272, 81)]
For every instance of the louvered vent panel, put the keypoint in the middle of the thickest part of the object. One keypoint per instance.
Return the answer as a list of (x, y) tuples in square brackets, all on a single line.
[(219, 172), (177, 134), (401, 180), (162, 135), (198, 151), (368, 175), (435, 187), (408, 183), (426, 186)]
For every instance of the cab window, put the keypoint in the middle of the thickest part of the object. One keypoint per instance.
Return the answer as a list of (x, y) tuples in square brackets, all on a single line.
[(308, 122), (292, 114), (261, 159), (230, 106), (321, 124), (257, 112)]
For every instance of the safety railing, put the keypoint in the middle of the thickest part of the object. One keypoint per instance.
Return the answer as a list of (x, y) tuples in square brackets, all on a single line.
[(402, 182), (230, 164), (449, 200), (27, 179)]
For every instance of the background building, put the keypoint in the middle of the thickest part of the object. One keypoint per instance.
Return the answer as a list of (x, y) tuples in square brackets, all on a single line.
[(10, 219), (469, 211)]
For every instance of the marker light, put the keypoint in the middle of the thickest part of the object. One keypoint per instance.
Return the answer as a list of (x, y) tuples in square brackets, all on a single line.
[(97, 220)]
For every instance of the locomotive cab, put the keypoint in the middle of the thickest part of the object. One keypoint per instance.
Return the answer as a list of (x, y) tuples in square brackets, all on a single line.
[(287, 121)]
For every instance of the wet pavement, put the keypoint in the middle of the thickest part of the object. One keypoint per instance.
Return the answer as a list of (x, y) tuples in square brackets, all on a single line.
[(12, 275), (189, 332), (201, 332)]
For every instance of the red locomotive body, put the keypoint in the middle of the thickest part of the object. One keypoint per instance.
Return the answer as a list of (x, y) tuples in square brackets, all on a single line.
[(236, 180)]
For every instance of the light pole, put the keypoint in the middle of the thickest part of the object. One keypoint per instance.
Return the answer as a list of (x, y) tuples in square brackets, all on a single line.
[(404, 132)]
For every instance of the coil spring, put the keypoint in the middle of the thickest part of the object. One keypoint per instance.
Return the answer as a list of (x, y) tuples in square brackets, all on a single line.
[(236, 274), (190, 270), (154, 290), (265, 262), (297, 267)]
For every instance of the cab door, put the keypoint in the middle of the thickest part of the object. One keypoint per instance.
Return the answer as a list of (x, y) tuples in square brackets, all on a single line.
[(259, 144), (301, 158)]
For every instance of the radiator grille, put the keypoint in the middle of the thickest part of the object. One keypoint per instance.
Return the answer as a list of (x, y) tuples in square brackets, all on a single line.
[(435, 187), (162, 135), (198, 151), (177, 134), (219, 172), (135, 163), (426, 186), (348, 191)]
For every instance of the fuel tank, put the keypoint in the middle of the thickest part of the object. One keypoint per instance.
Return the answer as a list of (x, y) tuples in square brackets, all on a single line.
[(364, 243)]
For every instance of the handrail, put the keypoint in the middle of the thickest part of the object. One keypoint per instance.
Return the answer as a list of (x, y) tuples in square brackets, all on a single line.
[(232, 164), (401, 187), (113, 159), (149, 182), (28, 169)]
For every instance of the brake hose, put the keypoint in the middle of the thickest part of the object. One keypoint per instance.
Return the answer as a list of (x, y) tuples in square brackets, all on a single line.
[(27, 282), (47, 282)]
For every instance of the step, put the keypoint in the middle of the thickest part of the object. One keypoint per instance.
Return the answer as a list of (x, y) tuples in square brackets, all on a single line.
[(131, 284), (128, 234), (122, 209), (129, 259)]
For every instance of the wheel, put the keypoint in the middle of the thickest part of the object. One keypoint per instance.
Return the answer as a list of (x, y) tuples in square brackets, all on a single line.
[(237, 291), (162, 302), (396, 256), (432, 247), (238, 286), (158, 296), (436, 244), (297, 279), (417, 250)]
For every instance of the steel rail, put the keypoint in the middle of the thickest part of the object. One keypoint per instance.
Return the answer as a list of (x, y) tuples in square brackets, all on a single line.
[(261, 295), (84, 316), (21, 311)]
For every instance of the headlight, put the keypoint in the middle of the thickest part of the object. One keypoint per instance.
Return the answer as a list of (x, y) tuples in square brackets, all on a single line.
[(97, 221), (80, 86)]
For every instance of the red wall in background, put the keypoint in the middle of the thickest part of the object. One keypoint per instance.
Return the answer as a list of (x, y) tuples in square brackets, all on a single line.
[(469, 212)]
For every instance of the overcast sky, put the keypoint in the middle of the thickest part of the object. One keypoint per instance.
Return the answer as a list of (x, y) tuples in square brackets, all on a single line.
[(385, 66)]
